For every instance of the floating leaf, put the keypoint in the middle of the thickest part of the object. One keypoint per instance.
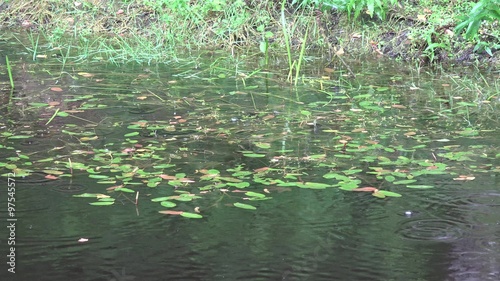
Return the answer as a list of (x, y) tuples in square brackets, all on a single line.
[(93, 195), (365, 189), (131, 134), (19, 137), (390, 178), (102, 203), (124, 189), (244, 206), (38, 104), (389, 193), (404, 181), (420, 186), (171, 212), (191, 215), (239, 185), (159, 199), (255, 194), (95, 176), (263, 145), (56, 89), (313, 185), (254, 155), (168, 204)]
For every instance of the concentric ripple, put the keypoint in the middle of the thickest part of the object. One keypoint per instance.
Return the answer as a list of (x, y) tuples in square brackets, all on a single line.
[(431, 229), (65, 187), (34, 179)]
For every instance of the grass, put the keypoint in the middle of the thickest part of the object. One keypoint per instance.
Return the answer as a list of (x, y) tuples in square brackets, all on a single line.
[(9, 71), (148, 31)]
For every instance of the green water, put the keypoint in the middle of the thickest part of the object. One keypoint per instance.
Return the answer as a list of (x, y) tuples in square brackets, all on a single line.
[(217, 131)]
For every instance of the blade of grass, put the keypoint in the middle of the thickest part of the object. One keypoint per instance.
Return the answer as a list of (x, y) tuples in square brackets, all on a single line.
[(286, 35), (9, 70), (301, 57)]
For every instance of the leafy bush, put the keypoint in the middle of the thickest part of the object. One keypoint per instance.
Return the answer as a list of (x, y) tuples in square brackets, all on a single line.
[(483, 10), (372, 7)]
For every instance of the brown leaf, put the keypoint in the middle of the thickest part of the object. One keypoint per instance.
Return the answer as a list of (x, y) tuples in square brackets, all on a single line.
[(167, 177), (56, 89), (398, 106), (171, 212), (114, 187), (263, 169), (51, 177), (365, 189)]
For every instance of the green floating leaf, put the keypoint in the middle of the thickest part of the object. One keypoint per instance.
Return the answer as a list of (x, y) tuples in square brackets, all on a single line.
[(191, 215), (159, 199), (420, 186), (255, 194), (343, 156), (244, 206), (404, 182), (87, 195), (263, 145), (94, 176), (19, 137), (131, 134), (254, 155), (102, 203), (390, 178), (389, 193), (352, 172), (38, 104), (239, 185), (62, 114), (313, 185), (168, 204), (124, 189)]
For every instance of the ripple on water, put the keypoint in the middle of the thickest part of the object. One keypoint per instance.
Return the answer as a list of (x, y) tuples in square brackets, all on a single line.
[(432, 229), (34, 179), (69, 188)]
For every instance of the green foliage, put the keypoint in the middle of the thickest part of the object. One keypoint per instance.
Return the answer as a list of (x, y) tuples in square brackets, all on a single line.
[(483, 10), (372, 7)]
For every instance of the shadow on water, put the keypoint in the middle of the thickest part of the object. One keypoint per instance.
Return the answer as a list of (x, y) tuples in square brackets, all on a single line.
[(172, 130)]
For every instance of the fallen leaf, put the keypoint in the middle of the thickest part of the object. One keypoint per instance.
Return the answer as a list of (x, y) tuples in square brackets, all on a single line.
[(366, 189), (170, 212), (56, 89)]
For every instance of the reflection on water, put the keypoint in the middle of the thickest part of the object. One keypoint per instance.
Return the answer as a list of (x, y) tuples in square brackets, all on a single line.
[(448, 232)]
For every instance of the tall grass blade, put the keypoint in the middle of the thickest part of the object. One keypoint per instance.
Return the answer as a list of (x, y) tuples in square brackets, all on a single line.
[(9, 70), (301, 57), (286, 35)]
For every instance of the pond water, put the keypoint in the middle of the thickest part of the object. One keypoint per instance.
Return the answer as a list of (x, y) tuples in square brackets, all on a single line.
[(213, 138)]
